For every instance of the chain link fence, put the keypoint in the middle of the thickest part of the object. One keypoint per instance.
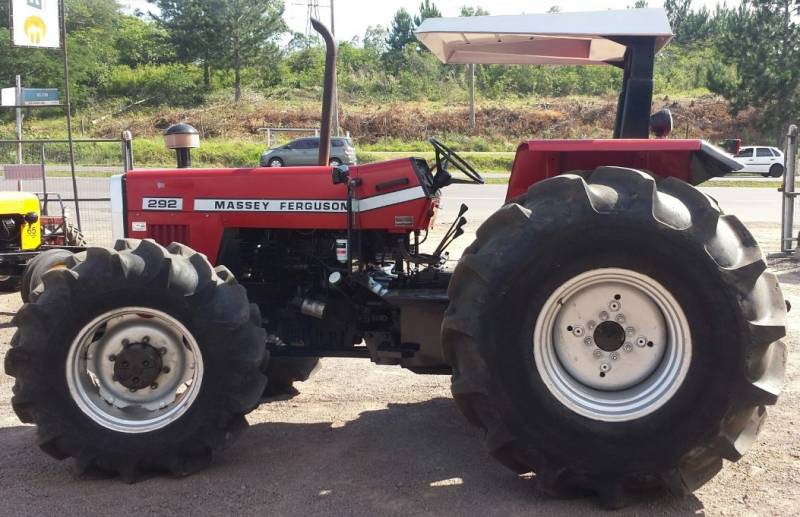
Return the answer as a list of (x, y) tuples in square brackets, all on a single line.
[(84, 198)]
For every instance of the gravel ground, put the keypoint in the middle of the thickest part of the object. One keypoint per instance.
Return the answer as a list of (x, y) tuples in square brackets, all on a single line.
[(362, 439)]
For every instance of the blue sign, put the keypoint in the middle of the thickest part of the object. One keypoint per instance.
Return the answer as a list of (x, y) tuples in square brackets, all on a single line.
[(40, 97)]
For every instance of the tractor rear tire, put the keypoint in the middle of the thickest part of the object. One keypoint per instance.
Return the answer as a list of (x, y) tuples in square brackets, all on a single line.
[(188, 329), (527, 378)]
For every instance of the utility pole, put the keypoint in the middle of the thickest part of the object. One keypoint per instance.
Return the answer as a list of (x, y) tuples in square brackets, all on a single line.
[(335, 85), (69, 113), (471, 89), (19, 118)]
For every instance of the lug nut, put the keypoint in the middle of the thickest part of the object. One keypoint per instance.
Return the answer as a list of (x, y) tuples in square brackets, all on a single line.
[(620, 318), (125, 342), (641, 341), (132, 390), (587, 340), (627, 347), (591, 325), (154, 386), (605, 367), (598, 353), (112, 358), (614, 306), (162, 350), (578, 331), (146, 339), (165, 369), (114, 378), (604, 315), (630, 331), (614, 356)]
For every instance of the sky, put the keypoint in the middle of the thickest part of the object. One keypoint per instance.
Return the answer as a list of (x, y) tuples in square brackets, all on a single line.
[(352, 17)]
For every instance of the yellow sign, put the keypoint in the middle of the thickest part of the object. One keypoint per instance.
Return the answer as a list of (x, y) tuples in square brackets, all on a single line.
[(35, 29), (36, 23)]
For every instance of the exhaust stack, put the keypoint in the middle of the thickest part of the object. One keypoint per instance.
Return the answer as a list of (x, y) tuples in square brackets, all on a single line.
[(327, 91)]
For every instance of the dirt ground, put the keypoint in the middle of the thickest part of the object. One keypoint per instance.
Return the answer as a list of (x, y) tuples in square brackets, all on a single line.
[(362, 439)]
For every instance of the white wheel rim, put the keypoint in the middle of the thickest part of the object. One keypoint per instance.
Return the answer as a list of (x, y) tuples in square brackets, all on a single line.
[(592, 368), (92, 367)]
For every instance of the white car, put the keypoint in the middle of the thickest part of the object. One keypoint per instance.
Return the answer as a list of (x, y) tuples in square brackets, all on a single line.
[(767, 161)]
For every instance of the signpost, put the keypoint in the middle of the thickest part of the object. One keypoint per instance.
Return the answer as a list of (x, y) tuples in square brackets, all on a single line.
[(40, 24)]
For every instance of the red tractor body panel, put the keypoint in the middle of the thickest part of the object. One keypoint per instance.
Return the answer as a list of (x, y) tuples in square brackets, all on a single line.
[(537, 160), (195, 206)]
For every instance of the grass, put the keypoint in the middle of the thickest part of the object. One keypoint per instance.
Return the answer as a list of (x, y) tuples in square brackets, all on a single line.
[(744, 183)]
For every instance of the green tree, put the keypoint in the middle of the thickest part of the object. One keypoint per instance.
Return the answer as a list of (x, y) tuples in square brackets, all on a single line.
[(759, 62), (427, 9), (248, 28), (194, 29), (473, 11), (141, 42), (375, 38), (401, 31)]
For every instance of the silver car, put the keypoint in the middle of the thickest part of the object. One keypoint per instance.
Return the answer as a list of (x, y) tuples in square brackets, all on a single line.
[(305, 151)]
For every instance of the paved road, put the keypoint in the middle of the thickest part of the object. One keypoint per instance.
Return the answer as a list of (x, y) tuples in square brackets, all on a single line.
[(751, 205)]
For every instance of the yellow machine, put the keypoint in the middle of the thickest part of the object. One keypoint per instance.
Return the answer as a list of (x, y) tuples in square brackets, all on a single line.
[(26, 233), (20, 224)]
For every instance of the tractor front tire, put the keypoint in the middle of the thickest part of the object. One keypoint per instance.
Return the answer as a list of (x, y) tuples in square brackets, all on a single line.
[(137, 359), (41, 264), (615, 334)]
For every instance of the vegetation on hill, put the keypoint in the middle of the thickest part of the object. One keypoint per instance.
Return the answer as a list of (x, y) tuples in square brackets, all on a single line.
[(196, 58)]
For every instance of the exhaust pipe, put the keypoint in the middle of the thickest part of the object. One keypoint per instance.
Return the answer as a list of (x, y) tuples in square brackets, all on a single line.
[(327, 91)]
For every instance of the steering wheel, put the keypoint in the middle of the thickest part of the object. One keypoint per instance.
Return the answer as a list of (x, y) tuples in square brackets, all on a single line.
[(446, 156)]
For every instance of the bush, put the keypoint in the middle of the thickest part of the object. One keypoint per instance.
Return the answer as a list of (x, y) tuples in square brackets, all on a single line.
[(173, 84)]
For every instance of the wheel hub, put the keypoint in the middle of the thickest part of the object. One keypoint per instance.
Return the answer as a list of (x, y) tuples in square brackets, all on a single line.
[(134, 369), (609, 336), (612, 344), (137, 366)]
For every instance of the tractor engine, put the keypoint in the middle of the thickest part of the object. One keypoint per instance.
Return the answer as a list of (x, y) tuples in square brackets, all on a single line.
[(292, 276)]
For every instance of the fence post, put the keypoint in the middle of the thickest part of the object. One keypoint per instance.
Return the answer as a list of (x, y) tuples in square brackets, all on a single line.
[(789, 194), (44, 179), (127, 150)]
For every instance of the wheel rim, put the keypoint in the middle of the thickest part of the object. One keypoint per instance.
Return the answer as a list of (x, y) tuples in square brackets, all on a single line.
[(134, 369), (612, 344), (275, 163)]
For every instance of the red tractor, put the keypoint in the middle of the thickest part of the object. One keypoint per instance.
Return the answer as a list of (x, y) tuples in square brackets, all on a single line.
[(610, 329)]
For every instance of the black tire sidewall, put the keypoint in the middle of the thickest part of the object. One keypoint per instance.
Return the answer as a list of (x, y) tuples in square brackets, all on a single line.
[(692, 414), (208, 409)]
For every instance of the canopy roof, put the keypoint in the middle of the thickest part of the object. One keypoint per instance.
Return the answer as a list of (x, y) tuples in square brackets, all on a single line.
[(586, 38)]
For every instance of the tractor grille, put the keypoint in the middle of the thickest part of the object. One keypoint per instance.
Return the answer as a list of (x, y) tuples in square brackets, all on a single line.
[(166, 234), (10, 236)]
